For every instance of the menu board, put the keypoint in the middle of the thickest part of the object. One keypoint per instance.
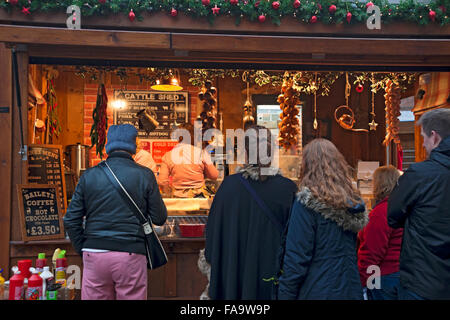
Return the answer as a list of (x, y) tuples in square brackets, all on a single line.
[(40, 212), (45, 166), (168, 108)]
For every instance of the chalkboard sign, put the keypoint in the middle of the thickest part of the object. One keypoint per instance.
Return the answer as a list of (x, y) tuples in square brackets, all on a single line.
[(168, 108), (40, 212), (45, 166)]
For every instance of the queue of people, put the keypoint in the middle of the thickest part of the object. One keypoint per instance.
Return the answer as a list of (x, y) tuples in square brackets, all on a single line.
[(266, 237)]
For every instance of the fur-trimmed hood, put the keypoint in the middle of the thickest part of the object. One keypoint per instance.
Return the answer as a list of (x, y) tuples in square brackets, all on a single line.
[(253, 172), (352, 219)]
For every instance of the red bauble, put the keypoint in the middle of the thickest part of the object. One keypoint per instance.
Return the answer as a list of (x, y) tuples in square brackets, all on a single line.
[(359, 88), (102, 1), (349, 17), (131, 15), (173, 12), (432, 15), (442, 9), (262, 18), (206, 2), (319, 6), (313, 19), (296, 4), (257, 4), (332, 9), (276, 5), (13, 2), (234, 2), (369, 4)]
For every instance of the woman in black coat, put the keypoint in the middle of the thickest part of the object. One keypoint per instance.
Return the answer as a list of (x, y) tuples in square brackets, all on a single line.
[(242, 239), (320, 260)]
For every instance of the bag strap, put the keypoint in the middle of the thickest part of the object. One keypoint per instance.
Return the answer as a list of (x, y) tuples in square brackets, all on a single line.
[(261, 204), (123, 192)]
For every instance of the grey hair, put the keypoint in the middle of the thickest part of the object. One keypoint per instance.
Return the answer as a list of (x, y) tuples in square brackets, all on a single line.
[(437, 120)]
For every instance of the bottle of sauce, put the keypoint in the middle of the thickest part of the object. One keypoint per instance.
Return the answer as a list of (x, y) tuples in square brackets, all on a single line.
[(41, 262), (34, 290), (47, 278), (60, 272), (16, 285)]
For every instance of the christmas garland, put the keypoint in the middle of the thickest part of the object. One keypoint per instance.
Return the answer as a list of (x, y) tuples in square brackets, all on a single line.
[(306, 11)]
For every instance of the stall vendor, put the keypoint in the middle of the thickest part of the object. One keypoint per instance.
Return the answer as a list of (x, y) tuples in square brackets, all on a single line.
[(186, 166), (144, 158)]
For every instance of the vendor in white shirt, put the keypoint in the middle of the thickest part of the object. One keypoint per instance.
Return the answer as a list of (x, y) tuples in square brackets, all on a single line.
[(186, 166), (144, 158)]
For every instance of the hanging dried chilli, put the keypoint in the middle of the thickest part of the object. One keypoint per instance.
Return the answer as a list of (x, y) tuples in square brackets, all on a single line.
[(98, 129), (54, 125), (289, 124)]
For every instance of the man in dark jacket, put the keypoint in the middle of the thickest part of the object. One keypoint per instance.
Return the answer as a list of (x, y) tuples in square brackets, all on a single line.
[(112, 241), (421, 204)]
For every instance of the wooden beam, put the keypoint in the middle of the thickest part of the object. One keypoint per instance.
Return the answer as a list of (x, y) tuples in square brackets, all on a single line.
[(310, 45), (6, 106), (150, 57), (99, 38)]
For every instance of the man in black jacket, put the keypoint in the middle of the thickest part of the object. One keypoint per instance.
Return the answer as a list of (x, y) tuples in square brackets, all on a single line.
[(112, 241), (421, 204)]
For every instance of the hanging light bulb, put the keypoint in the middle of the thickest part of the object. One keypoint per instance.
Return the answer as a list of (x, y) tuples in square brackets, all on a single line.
[(120, 102)]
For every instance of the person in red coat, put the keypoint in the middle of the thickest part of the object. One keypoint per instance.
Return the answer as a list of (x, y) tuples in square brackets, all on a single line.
[(380, 244)]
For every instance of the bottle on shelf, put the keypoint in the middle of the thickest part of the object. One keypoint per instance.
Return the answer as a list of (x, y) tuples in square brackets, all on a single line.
[(47, 278), (41, 262), (34, 290), (16, 285)]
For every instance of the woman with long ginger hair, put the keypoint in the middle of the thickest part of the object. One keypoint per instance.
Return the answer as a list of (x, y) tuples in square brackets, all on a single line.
[(380, 245), (320, 260)]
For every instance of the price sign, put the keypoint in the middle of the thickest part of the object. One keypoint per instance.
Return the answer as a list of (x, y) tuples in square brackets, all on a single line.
[(45, 166), (40, 212), (169, 109)]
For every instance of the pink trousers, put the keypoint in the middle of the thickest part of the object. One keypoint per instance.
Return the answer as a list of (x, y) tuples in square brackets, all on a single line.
[(114, 276)]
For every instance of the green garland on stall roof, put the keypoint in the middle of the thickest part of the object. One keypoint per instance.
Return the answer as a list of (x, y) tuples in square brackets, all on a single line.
[(406, 11)]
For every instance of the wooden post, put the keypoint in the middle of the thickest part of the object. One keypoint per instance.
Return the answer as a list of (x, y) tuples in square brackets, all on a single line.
[(5, 156), (19, 166)]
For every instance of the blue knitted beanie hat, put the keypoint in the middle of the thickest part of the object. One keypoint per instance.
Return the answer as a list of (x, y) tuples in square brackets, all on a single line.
[(121, 137)]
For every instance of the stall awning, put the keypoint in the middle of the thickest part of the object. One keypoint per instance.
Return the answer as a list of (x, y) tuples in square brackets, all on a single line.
[(433, 93)]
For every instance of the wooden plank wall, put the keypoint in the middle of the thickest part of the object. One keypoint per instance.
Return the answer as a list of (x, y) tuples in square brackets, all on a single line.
[(19, 167), (5, 157)]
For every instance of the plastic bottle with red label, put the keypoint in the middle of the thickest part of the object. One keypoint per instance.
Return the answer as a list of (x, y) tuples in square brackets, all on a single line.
[(16, 285), (61, 265), (34, 290), (41, 262)]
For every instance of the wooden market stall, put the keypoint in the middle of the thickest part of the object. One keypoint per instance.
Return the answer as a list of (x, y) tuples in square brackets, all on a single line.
[(42, 43)]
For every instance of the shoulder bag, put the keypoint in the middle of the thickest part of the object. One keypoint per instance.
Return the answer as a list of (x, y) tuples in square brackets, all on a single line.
[(156, 256)]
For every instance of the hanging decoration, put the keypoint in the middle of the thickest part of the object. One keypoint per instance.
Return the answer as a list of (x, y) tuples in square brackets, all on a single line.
[(347, 118), (53, 125), (100, 125), (208, 97), (248, 107), (314, 88), (339, 11), (373, 125), (392, 99), (289, 124)]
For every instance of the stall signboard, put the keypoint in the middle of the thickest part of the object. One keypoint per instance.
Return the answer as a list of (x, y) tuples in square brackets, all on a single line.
[(40, 212), (158, 148), (45, 166), (168, 108)]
